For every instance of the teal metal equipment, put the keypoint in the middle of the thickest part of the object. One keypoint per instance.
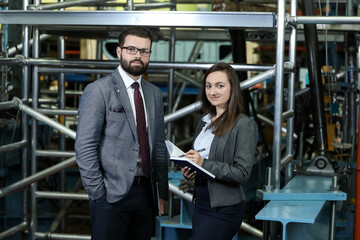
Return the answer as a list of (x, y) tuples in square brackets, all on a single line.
[(301, 207)]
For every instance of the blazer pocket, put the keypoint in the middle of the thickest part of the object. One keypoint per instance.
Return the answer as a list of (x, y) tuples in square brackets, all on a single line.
[(116, 116)]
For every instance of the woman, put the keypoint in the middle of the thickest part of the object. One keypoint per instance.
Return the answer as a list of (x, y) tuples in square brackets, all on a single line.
[(230, 138)]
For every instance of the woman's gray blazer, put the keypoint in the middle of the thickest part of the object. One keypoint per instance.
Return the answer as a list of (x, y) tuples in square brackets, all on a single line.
[(231, 158)]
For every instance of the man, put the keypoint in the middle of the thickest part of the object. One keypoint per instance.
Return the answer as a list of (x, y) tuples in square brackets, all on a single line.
[(120, 148)]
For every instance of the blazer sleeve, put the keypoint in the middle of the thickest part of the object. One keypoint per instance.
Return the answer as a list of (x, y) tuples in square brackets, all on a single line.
[(89, 128), (233, 161), (160, 152)]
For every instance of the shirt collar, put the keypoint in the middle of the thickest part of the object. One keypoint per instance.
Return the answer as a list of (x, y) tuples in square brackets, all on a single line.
[(127, 79), (207, 118)]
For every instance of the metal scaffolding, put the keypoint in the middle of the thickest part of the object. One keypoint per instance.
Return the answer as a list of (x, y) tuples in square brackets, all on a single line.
[(37, 16)]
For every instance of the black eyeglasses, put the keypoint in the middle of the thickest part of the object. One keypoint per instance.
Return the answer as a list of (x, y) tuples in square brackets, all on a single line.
[(133, 50)]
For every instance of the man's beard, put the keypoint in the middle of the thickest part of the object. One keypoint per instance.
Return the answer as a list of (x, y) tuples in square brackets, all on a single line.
[(134, 70)]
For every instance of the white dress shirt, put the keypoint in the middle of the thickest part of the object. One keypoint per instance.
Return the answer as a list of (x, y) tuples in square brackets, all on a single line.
[(130, 90)]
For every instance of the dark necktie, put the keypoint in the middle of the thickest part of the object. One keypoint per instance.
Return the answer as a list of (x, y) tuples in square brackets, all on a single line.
[(141, 129)]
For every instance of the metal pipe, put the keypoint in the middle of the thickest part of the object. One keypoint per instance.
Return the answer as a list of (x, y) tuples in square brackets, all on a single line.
[(11, 231), (129, 5), (183, 112), (64, 4), (61, 118), (19, 47), (268, 186), (171, 73), (147, 6), (114, 63), (271, 104), (258, 79), (62, 213), (350, 119), (98, 71), (13, 146), (99, 53), (7, 105), (11, 61), (271, 123), (291, 100), (340, 75), (192, 58), (317, 96), (187, 79), (44, 100), (301, 147), (238, 43), (178, 192), (349, 7), (75, 70), (37, 177), (180, 94), (24, 117), (268, 176), (170, 90), (286, 160), (323, 20), (34, 130), (46, 120), (334, 187), (279, 70), (61, 236), (332, 221), (49, 153), (67, 92), (357, 182), (288, 114), (252, 230), (62, 195), (50, 111)]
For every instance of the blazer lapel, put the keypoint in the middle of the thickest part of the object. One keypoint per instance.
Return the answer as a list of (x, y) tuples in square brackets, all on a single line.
[(123, 97), (219, 143)]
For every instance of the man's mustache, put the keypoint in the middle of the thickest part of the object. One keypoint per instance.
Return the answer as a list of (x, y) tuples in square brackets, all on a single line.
[(137, 60)]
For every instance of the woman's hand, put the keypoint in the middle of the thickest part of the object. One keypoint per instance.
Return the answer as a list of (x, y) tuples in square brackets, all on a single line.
[(188, 173), (195, 157)]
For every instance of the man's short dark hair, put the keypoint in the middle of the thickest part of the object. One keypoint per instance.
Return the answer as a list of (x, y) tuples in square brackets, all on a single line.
[(138, 31)]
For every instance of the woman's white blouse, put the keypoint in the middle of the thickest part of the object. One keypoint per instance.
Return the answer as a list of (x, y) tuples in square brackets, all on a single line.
[(205, 138)]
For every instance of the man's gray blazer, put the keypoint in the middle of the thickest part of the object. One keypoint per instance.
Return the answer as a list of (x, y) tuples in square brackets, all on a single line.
[(106, 142)]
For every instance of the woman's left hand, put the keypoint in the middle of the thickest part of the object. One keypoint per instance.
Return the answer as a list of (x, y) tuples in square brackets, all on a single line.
[(195, 157)]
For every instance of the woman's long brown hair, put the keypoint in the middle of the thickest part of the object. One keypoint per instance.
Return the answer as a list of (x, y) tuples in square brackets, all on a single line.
[(235, 105)]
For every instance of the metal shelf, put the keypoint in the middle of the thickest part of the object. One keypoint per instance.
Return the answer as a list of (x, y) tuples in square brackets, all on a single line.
[(145, 18)]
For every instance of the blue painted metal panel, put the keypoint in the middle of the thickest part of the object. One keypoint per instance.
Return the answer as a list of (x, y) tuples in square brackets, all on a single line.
[(291, 211), (319, 230), (315, 188)]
